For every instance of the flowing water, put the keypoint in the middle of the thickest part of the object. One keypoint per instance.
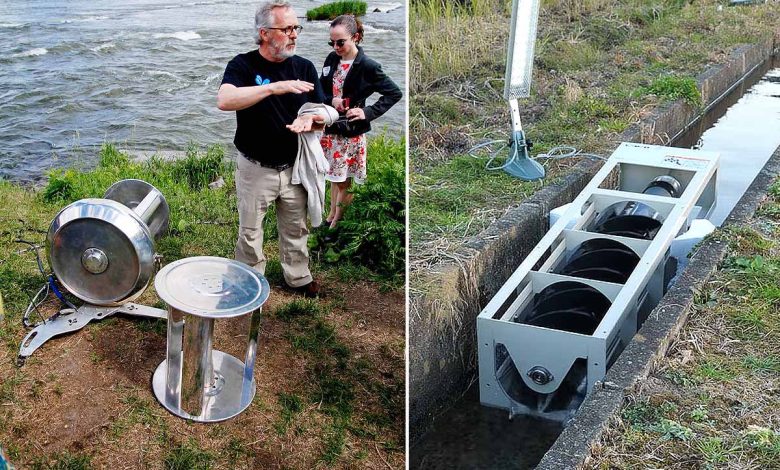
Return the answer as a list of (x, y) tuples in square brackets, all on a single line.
[(746, 136), (142, 74)]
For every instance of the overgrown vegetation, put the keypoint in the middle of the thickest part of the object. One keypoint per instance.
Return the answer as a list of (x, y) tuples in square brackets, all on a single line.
[(373, 230), (706, 404), (600, 66), (672, 88), (330, 11)]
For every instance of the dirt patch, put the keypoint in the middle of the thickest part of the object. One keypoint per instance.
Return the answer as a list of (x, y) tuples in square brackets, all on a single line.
[(89, 394)]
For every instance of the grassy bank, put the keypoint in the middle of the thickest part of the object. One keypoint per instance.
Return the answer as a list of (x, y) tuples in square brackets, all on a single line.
[(713, 401), (330, 373), (600, 65)]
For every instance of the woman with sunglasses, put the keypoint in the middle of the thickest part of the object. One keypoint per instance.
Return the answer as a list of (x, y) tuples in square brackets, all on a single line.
[(348, 78)]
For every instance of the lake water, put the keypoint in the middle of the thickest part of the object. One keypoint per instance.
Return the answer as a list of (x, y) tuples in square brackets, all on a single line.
[(142, 74)]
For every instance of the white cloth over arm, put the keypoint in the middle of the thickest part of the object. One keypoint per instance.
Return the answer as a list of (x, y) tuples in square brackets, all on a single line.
[(310, 164)]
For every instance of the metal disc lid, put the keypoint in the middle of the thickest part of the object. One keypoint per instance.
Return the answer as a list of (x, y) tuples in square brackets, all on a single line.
[(100, 251), (211, 287)]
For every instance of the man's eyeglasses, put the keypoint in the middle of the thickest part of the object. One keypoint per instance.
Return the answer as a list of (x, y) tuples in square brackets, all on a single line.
[(288, 30), (339, 42)]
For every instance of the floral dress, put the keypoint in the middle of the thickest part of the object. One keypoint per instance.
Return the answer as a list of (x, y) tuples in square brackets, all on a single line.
[(346, 155)]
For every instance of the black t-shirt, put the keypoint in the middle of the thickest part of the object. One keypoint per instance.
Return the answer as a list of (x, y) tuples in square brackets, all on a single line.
[(260, 131)]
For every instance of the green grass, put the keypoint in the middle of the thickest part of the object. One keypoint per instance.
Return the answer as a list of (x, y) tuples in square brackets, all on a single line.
[(330, 11), (67, 461), (188, 456), (565, 56), (235, 449), (673, 87), (707, 406), (717, 370), (716, 451), (203, 221), (762, 365), (441, 200), (623, 57), (333, 386), (138, 411), (291, 405)]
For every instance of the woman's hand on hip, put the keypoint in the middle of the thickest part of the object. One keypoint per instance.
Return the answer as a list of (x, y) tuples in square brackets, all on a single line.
[(338, 103), (356, 114)]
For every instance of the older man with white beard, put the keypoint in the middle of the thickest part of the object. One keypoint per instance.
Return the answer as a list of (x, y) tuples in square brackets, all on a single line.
[(266, 87)]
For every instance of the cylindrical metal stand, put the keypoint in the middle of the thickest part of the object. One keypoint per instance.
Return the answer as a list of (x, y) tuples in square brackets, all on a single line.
[(195, 381)]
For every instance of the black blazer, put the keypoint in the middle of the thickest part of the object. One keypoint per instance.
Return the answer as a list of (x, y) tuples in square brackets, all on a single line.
[(364, 78)]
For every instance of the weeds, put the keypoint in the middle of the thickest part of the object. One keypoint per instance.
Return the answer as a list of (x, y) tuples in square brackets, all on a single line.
[(672, 88), (373, 230), (670, 429)]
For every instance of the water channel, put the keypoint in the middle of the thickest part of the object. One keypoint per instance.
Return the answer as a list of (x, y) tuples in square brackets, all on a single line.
[(744, 127)]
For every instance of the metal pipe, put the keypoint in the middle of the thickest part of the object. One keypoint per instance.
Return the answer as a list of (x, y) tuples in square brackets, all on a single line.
[(145, 209), (250, 357), (173, 357), (196, 363)]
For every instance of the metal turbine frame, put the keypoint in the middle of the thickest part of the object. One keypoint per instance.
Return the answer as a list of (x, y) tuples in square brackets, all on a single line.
[(530, 346)]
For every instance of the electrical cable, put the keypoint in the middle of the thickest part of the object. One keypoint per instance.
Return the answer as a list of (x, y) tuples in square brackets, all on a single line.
[(50, 285), (556, 153)]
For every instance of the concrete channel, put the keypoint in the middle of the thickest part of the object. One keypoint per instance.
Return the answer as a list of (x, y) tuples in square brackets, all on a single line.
[(442, 315)]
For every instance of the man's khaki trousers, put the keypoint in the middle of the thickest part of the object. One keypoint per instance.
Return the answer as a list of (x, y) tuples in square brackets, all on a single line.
[(257, 187)]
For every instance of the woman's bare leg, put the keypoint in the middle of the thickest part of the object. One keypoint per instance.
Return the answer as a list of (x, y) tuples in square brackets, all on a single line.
[(334, 201), (345, 198)]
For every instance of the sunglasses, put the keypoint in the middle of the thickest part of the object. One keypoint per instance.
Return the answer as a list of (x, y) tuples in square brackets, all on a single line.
[(339, 42)]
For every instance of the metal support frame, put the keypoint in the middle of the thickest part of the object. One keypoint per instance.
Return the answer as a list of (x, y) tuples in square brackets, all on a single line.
[(68, 321), (519, 163), (507, 348)]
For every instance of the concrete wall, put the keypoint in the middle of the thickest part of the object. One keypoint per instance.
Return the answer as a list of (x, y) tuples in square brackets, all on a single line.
[(445, 300)]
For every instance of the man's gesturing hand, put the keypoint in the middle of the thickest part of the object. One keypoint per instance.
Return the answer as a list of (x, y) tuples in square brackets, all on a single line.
[(307, 123), (291, 86)]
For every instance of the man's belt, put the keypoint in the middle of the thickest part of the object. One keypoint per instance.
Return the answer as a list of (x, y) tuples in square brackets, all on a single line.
[(281, 167)]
